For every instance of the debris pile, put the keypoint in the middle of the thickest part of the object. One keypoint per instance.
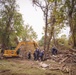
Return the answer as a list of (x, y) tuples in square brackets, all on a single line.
[(59, 62)]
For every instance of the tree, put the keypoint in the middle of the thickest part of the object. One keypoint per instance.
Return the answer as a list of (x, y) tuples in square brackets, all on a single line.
[(45, 7), (62, 42), (28, 33), (71, 14), (56, 21), (10, 22), (41, 41)]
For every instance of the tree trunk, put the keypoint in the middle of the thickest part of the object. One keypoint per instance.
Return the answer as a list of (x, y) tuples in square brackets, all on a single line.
[(71, 24), (54, 41), (50, 37), (74, 37), (3, 42), (46, 25)]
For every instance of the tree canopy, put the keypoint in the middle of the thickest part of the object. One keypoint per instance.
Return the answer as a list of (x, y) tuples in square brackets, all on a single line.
[(11, 24)]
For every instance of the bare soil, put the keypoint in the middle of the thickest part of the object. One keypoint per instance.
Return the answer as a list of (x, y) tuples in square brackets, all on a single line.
[(58, 65)]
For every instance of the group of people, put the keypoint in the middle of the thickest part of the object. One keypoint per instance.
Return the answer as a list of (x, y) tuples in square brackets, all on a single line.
[(38, 55)]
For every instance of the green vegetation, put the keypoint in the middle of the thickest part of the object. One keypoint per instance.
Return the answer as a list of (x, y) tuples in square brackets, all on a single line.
[(12, 28)]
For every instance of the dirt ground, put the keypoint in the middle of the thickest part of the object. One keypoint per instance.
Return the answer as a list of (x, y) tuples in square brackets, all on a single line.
[(21, 67), (57, 65)]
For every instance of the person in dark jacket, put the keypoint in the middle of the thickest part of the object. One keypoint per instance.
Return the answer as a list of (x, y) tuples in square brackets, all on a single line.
[(37, 53), (29, 55), (54, 51), (41, 55)]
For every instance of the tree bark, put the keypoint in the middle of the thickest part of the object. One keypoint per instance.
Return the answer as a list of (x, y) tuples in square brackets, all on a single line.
[(74, 37), (46, 26), (50, 37), (71, 24)]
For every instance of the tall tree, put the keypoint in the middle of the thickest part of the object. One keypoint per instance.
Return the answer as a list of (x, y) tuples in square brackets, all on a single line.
[(56, 21), (10, 21), (70, 6), (45, 7)]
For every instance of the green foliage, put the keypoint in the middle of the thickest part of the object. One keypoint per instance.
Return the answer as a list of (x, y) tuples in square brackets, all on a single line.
[(18, 24), (54, 0), (51, 0), (28, 33), (12, 26), (62, 42), (41, 41), (10, 22), (57, 18), (70, 5)]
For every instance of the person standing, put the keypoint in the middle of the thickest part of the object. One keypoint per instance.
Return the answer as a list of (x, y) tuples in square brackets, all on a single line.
[(29, 55), (35, 55), (37, 52), (41, 55)]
